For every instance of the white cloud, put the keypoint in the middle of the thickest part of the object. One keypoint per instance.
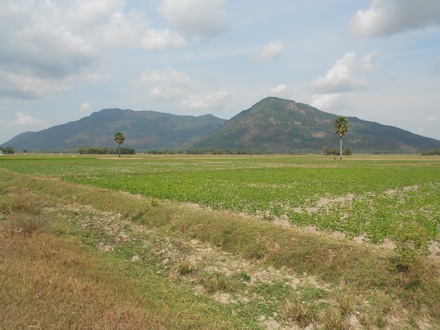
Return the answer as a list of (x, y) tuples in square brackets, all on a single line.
[(161, 39), (197, 19), (165, 85), (48, 43), (338, 88), (388, 17), (272, 51), (85, 107), (278, 89), (211, 101), (88, 14), (26, 85), (367, 62), (25, 120), (342, 77), (332, 101), (131, 30), (37, 54)]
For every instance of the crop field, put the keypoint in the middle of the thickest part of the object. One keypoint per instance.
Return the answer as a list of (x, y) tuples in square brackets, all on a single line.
[(219, 242), (366, 196)]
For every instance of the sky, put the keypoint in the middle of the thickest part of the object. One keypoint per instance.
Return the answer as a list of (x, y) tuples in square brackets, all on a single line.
[(61, 60)]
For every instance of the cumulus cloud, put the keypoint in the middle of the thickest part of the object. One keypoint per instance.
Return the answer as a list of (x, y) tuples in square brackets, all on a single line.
[(272, 51), (342, 77), (85, 107), (88, 14), (37, 54), (45, 44), (166, 84), (198, 19), (279, 89), (211, 101), (388, 17), (162, 39), (26, 85), (131, 30), (21, 122), (338, 85), (23, 119), (332, 101), (367, 62)]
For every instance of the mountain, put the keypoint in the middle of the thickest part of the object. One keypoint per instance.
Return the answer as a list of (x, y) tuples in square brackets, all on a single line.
[(272, 125), (143, 130), (278, 125)]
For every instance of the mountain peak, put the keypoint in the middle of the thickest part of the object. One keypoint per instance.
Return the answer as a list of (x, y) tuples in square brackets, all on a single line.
[(144, 130), (280, 125), (272, 125)]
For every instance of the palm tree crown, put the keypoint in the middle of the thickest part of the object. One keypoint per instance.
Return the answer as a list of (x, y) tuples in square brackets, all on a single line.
[(119, 138), (341, 125)]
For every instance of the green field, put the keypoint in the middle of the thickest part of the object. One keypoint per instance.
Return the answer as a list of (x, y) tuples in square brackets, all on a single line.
[(219, 242), (366, 196)]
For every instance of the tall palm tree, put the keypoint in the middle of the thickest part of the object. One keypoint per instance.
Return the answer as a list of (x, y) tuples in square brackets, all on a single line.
[(341, 127), (119, 139)]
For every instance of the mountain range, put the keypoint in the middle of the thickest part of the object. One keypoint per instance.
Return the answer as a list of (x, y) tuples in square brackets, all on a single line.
[(272, 125)]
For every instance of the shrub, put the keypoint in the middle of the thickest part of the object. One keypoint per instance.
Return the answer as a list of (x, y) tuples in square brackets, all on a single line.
[(411, 244)]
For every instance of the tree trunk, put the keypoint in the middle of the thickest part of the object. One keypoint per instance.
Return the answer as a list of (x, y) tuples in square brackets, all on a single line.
[(340, 148)]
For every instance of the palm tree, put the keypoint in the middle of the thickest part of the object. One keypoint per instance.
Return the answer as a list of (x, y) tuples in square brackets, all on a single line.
[(119, 139), (341, 127)]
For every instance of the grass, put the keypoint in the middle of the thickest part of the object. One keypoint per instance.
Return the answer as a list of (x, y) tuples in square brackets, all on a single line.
[(259, 272), (50, 281)]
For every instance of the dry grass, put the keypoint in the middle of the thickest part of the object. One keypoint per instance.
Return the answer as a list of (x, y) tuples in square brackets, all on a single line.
[(48, 281), (361, 288)]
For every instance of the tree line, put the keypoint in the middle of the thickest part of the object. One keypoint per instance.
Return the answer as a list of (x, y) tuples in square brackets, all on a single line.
[(7, 150), (106, 151)]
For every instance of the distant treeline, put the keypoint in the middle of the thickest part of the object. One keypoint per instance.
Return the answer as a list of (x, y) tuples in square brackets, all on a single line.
[(7, 150), (207, 151), (435, 152), (105, 151), (335, 152)]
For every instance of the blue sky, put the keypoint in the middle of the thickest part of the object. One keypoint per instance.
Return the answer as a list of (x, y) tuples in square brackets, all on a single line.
[(61, 60)]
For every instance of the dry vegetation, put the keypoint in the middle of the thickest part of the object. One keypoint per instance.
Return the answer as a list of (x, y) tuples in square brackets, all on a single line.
[(74, 256)]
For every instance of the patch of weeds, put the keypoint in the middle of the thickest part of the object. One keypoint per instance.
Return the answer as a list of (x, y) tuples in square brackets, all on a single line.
[(381, 321), (268, 291), (184, 268), (411, 244), (24, 201), (345, 302), (5, 206), (309, 292), (138, 216), (332, 318), (301, 313), (24, 224), (218, 283), (243, 277)]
